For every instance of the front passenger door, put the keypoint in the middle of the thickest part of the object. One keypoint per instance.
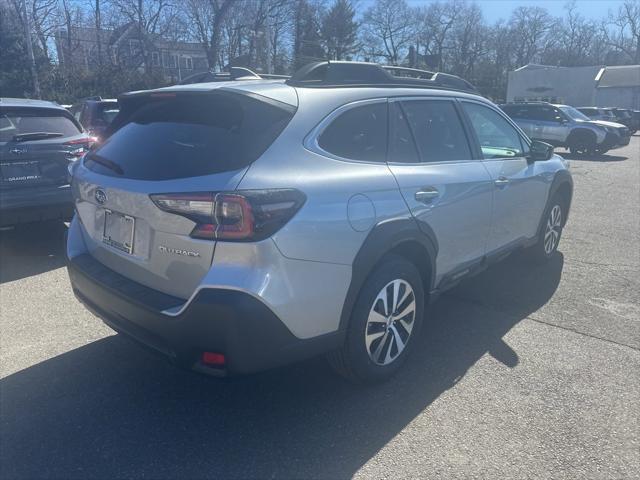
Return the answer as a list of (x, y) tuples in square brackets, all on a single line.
[(520, 187)]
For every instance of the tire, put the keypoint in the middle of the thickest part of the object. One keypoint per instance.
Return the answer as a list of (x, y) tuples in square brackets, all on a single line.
[(372, 351), (551, 231), (583, 143)]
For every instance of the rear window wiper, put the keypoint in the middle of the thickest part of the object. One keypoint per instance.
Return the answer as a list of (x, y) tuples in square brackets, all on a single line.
[(24, 137), (106, 163)]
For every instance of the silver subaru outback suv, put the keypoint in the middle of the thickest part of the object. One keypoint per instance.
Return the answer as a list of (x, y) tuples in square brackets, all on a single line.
[(236, 226)]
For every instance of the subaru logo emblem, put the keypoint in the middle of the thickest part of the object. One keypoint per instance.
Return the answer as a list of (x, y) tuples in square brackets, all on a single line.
[(101, 196)]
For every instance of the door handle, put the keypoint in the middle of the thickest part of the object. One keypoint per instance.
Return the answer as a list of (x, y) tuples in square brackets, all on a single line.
[(426, 195), (502, 181)]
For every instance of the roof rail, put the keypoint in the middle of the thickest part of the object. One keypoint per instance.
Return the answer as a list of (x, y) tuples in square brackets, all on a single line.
[(340, 74), (234, 73)]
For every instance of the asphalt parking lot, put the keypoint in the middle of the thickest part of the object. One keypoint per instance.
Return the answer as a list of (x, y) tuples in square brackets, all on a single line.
[(522, 372)]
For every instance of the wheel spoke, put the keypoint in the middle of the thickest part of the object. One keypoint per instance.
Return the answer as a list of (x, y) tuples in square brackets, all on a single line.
[(380, 348), (375, 317), (372, 337), (398, 339), (383, 297), (411, 306), (408, 326), (405, 295)]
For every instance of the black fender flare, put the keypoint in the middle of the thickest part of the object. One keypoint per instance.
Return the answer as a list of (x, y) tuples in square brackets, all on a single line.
[(383, 238), (561, 179)]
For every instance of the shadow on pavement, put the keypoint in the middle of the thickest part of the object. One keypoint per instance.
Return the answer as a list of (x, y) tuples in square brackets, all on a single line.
[(31, 249), (110, 409), (593, 158)]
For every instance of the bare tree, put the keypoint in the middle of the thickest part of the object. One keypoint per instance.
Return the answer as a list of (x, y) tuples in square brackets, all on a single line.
[(208, 17), (436, 23), (623, 33), (150, 18), (392, 25), (529, 27)]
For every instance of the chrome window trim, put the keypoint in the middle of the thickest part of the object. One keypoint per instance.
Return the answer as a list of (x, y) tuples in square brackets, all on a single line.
[(311, 140)]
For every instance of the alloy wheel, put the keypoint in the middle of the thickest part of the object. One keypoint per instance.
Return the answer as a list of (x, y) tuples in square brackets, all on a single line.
[(390, 322), (553, 229)]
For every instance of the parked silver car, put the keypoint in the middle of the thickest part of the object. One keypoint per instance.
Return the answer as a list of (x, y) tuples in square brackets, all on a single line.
[(236, 226), (565, 126)]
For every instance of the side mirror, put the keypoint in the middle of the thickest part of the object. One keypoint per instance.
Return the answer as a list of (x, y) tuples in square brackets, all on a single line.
[(540, 151)]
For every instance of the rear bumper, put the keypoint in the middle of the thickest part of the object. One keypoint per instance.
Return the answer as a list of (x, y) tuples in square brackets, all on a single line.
[(34, 204), (230, 322)]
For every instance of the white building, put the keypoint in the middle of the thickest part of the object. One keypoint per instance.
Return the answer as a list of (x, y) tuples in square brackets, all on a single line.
[(578, 86)]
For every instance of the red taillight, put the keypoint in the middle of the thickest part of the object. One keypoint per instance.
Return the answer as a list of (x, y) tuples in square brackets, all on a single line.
[(213, 359), (238, 216), (82, 146)]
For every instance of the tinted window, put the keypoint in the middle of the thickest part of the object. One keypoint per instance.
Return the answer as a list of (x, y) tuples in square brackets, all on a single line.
[(517, 111), (360, 133), (402, 147), (548, 114), (107, 111), (437, 129), (32, 120), (497, 137), (188, 136)]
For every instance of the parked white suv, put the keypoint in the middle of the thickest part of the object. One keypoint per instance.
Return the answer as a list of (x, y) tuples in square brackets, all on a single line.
[(236, 226)]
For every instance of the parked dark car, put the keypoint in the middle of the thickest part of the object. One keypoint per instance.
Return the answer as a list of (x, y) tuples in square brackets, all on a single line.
[(595, 113), (635, 114), (95, 114), (38, 141), (625, 117)]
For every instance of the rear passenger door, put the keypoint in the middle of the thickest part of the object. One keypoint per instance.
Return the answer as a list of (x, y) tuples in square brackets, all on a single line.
[(520, 187), (447, 190), (554, 125)]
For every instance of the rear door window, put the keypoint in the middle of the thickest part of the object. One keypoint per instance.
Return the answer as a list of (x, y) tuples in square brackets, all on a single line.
[(189, 135), (402, 147), (360, 133), (437, 130), (35, 120)]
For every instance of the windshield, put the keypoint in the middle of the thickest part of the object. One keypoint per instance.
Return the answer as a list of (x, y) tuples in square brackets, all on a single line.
[(573, 113), (18, 122)]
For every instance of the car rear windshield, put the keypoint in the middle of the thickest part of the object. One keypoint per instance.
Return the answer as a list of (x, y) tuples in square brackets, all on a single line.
[(189, 135), (19, 121)]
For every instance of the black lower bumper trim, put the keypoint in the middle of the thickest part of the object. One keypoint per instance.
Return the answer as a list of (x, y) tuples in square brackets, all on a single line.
[(234, 323)]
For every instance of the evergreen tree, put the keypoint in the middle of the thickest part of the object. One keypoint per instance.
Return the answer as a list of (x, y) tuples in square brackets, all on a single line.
[(340, 30), (308, 40)]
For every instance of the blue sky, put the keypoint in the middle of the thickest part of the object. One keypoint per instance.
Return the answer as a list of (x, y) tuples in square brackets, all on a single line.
[(496, 9)]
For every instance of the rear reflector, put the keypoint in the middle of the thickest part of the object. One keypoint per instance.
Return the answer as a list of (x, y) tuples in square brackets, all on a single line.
[(213, 359)]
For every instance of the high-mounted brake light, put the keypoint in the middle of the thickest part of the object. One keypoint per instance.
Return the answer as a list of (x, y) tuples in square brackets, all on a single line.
[(248, 215)]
